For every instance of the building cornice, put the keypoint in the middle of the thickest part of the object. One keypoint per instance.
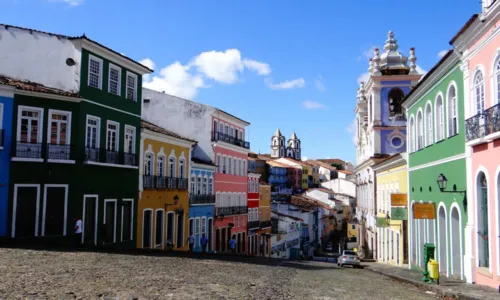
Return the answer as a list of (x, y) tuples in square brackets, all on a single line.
[(160, 137), (48, 96), (202, 166), (220, 114), (231, 147), (476, 30), (7, 91), (394, 162)]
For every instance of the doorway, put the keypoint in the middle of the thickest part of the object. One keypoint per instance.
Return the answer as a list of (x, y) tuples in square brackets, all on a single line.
[(90, 213), (25, 214), (147, 226)]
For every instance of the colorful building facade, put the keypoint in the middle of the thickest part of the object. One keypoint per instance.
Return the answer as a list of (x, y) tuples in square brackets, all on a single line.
[(202, 203), (478, 42), (163, 207), (392, 228), (253, 213), (6, 105), (264, 232), (435, 110)]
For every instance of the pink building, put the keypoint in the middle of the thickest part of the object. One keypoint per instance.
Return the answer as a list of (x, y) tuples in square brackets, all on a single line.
[(479, 43), (231, 182)]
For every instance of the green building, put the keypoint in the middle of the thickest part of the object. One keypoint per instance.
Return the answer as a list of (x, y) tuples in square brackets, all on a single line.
[(76, 138), (436, 145)]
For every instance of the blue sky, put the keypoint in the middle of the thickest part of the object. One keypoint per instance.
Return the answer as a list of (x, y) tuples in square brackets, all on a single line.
[(288, 64)]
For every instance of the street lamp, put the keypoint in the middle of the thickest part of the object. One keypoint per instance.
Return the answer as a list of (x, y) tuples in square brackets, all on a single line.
[(442, 181), (176, 200)]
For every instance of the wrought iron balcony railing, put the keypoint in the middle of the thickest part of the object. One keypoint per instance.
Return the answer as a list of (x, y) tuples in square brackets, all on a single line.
[(492, 119), (253, 224), (219, 136), (475, 127), (231, 210), (58, 152), (201, 199), (265, 224), (102, 155), (148, 182), (44, 151), (29, 150), (164, 183)]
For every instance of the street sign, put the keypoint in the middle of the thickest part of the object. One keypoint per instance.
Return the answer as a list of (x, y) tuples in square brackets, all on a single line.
[(399, 213), (382, 222), (399, 200), (424, 211)]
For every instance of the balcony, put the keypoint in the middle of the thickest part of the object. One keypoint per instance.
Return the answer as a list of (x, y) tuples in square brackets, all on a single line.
[(102, 155), (492, 116), (253, 224), (2, 132), (164, 183), (265, 224), (475, 127), (148, 182), (219, 136), (231, 210), (41, 151), (201, 199)]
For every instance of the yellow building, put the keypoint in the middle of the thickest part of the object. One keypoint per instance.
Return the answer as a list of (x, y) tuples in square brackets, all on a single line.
[(352, 231), (392, 216), (314, 171), (265, 217), (163, 209), (306, 171)]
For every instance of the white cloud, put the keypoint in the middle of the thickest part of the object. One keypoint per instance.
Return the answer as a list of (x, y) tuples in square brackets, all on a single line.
[(185, 80), (442, 53), (367, 54), (285, 85), (309, 104), (319, 84), (352, 130), (257, 66), (421, 71), (70, 2)]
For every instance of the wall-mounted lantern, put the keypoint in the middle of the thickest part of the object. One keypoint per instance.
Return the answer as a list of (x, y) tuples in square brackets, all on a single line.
[(442, 182)]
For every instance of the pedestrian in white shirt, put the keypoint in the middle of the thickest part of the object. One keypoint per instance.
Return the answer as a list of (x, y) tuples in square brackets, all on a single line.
[(78, 231)]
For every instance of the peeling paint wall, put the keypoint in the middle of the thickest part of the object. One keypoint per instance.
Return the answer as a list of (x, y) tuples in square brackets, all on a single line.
[(40, 58), (184, 117)]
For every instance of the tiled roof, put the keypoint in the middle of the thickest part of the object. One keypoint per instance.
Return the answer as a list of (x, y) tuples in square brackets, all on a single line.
[(464, 28), (332, 160), (75, 38), (287, 216), (202, 162), (276, 164), (308, 201), (322, 164), (34, 87), (264, 183), (345, 172), (263, 157), (158, 129)]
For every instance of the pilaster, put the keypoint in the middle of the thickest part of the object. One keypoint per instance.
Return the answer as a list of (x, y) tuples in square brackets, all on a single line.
[(376, 105)]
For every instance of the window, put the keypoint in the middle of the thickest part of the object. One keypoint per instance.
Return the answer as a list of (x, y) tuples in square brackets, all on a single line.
[(203, 225), (92, 132), (210, 186), (219, 164), (497, 79), (171, 167), (224, 164), (127, 220), (479, 92), (420, 131), (205, 182), (428, 125), (115, 76), (131, 86), (201, 191), (95, 72), (129, 139), (244, 168), (112, 136), (396, 96), (30, 124), (159, 228), (229, 169), (59, 122), (197, 226), (181, 168), (161, 166), (452, 112), (237, 167), (193, 185), (148, 164), (110, 221), (439, 117)]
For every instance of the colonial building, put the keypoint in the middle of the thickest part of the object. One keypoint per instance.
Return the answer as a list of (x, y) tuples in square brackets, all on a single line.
[(253, 213), (221, 139), (381, 128), (278, 148), (294, 173), (435, 111), (392, 218), (76, 110), (280, 188), (163, 208), (478, 44), (202, 202), (264, 232), (6, 104)]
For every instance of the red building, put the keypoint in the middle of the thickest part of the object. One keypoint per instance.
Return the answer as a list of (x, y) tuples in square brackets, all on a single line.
[(253, 213), (231, 186)]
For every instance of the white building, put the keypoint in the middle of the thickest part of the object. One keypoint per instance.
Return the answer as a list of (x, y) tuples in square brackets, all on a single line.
[(287, 238), (341, 186)]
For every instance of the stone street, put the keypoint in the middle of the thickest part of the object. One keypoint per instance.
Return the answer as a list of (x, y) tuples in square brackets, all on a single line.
[(29, 274)]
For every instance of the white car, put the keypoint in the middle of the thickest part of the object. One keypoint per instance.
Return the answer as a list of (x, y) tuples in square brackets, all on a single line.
[(349, 258)]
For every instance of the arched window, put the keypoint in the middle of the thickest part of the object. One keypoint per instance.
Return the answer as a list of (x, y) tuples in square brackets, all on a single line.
[(483, 221), (148, 164), (200, 187), (439, 117), (396, 96), (411, 135), (479, 92), (161, 166), (420, 131), (193, 185), (210, 185), (205, 185), (452, 112), (171, 166), (497, 81), (428, 125), (182, 167)]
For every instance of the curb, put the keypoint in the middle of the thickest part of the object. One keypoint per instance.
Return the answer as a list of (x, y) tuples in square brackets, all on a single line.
[(424, 286)]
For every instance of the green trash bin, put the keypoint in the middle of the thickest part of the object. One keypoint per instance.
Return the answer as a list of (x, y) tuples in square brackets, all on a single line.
[(429, 250)]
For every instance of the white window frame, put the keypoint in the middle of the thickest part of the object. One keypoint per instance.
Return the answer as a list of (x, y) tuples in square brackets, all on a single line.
[(49, 125), (131, 220), (429, 128), (20, 110), (480, 102), (135, 86), (210, 185), (96, 216), (125, 146), (117, 142), (439, 118), (452, 109), (192, 184), (44, 206), (119, 87), (496, 82), (174, 166), (182, 162), (101, 67), (162, 242), (104, 216), (162, 168), (98, 135)]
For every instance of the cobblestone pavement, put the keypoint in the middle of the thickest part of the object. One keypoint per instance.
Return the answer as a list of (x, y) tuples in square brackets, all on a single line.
[(29, 274)]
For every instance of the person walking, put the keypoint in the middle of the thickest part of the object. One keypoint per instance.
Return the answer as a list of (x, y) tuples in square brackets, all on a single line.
[(204, 243), (191, 242), (232, 244), (78, 232)]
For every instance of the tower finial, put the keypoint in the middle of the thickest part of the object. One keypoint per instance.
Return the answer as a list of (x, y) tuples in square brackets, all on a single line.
[(376, 62), (413, 59), (391, 44), (371, 66)]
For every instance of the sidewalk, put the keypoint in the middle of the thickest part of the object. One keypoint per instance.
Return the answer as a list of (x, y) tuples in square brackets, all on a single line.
[(452, 288)]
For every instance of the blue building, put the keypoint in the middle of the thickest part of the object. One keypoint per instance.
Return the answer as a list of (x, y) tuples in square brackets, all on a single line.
[(201, 202), (6, 104), (278, 181)]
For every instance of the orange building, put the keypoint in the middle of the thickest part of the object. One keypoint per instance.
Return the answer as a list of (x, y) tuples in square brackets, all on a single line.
[(264, 232)]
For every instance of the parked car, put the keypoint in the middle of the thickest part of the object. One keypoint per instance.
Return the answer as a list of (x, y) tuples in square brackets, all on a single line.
[(349, 258)]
